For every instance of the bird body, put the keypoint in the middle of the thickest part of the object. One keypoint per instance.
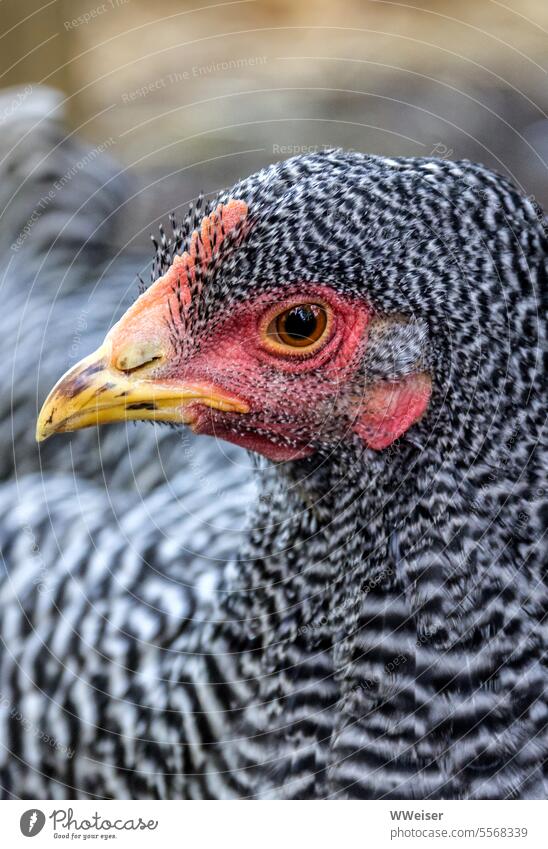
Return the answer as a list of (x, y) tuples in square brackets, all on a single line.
[(380, 632)]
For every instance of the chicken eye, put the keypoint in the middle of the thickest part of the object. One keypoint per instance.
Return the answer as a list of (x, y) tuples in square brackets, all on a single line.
[(298, 328)]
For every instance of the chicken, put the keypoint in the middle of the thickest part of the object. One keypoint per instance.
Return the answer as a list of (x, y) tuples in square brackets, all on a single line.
[(374, 328)]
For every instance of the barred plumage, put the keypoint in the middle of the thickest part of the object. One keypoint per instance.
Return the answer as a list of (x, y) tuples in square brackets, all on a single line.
[(379, 631)]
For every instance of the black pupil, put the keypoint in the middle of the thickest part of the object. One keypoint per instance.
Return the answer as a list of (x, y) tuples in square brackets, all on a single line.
[(300, 322)]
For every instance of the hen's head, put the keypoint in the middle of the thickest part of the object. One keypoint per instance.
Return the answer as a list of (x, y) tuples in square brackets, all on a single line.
[(296, 315)]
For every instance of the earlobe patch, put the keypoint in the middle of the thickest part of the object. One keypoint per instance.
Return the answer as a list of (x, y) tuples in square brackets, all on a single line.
[(390, 409)]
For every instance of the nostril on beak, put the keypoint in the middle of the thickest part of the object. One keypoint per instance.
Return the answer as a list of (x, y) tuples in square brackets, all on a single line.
[(138, 354)]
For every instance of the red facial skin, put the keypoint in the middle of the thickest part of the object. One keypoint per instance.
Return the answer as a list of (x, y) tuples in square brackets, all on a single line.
[(296, 400), (302, 386), (237, 360)]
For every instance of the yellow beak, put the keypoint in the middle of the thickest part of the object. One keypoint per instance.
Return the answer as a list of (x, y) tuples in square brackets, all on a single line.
[(93, 392)]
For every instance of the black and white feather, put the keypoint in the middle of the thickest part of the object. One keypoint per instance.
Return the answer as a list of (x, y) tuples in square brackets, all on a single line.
[(379, 631)]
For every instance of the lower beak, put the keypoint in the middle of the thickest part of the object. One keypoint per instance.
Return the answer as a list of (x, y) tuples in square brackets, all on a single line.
[(93, 393)]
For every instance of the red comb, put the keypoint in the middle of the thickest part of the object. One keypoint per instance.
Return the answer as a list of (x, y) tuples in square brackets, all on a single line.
[(214, 229), (148, 310)]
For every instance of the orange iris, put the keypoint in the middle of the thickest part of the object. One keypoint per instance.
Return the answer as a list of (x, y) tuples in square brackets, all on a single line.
[(300, 328)]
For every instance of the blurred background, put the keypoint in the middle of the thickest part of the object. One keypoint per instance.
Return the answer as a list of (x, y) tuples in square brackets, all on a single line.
[(115, 112), (112, 114), (194, 95)]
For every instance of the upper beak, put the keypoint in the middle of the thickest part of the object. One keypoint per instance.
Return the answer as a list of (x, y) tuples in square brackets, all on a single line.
[(93, 392)]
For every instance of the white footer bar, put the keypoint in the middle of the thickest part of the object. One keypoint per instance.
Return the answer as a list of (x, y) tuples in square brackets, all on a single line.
[(264, 825)]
